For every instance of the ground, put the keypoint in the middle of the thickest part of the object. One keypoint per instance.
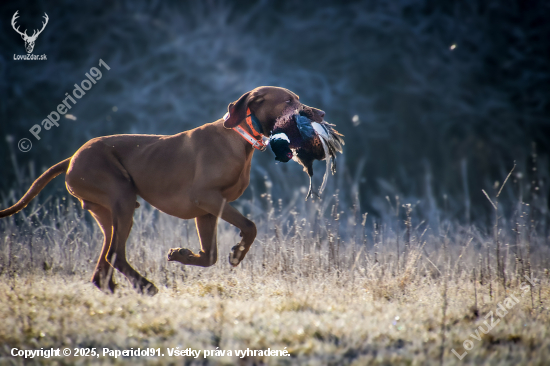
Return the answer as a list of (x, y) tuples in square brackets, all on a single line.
[(324, 294), (322, 320)]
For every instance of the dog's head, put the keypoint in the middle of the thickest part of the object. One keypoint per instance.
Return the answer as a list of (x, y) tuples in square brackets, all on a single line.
[(268, 103)]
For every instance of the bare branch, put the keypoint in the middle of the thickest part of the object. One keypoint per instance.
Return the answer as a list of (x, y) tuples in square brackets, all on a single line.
[(506, 180), (486, 195)]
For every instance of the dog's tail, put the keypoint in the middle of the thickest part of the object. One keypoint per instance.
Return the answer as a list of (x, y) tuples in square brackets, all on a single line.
[(37, 186)]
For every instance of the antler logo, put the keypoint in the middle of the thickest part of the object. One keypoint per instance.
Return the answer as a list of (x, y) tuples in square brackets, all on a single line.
[(29, 41)]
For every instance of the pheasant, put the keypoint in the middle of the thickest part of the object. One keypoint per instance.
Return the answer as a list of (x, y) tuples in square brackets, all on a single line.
[(295, 136)]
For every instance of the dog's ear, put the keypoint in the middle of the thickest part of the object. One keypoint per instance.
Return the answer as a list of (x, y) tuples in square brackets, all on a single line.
[(236, 111)]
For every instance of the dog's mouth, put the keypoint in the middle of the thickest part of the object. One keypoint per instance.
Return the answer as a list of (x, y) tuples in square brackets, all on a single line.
[(308, 113), (303, 110), (313, 114), (289, 115)]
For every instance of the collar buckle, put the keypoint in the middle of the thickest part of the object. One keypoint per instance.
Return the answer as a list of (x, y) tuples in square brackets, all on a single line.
[(257, 143)]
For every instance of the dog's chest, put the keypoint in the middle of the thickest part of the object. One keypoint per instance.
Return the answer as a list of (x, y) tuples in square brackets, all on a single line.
[(236, 188)]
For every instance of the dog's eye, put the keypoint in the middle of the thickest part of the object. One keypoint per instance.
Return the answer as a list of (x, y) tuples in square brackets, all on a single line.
[(288, 101)]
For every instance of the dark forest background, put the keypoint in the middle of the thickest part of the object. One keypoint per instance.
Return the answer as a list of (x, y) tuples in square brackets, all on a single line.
[(436, 99)]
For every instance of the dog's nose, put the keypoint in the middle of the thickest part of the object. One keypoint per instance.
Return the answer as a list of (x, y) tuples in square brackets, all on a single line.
[(321, 113)]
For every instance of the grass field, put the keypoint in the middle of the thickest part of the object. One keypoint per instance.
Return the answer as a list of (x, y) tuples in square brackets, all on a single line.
[(326, 289)]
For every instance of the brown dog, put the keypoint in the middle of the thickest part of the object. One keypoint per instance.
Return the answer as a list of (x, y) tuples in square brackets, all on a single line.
[(188, 175)]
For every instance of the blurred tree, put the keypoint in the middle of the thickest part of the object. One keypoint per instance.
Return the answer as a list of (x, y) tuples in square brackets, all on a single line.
[(436, 86)]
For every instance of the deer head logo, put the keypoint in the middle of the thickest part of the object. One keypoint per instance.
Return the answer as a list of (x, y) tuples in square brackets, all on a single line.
[(29, 41)]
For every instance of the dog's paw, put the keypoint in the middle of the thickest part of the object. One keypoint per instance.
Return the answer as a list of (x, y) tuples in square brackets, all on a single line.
[(104, 282), (236, 255), (145, 287), (179, 255), (150, 290)]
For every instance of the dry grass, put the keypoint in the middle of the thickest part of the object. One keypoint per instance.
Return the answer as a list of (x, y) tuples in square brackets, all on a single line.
[(325, 320), (313, 283)]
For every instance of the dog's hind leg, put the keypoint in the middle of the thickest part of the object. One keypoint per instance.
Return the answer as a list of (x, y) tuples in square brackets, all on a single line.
[(103, 274), (97, 176), (208, 255), (122, 211)]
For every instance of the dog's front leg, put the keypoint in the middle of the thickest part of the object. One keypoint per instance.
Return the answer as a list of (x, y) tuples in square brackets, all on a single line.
[(214, 204), (208, 255)]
